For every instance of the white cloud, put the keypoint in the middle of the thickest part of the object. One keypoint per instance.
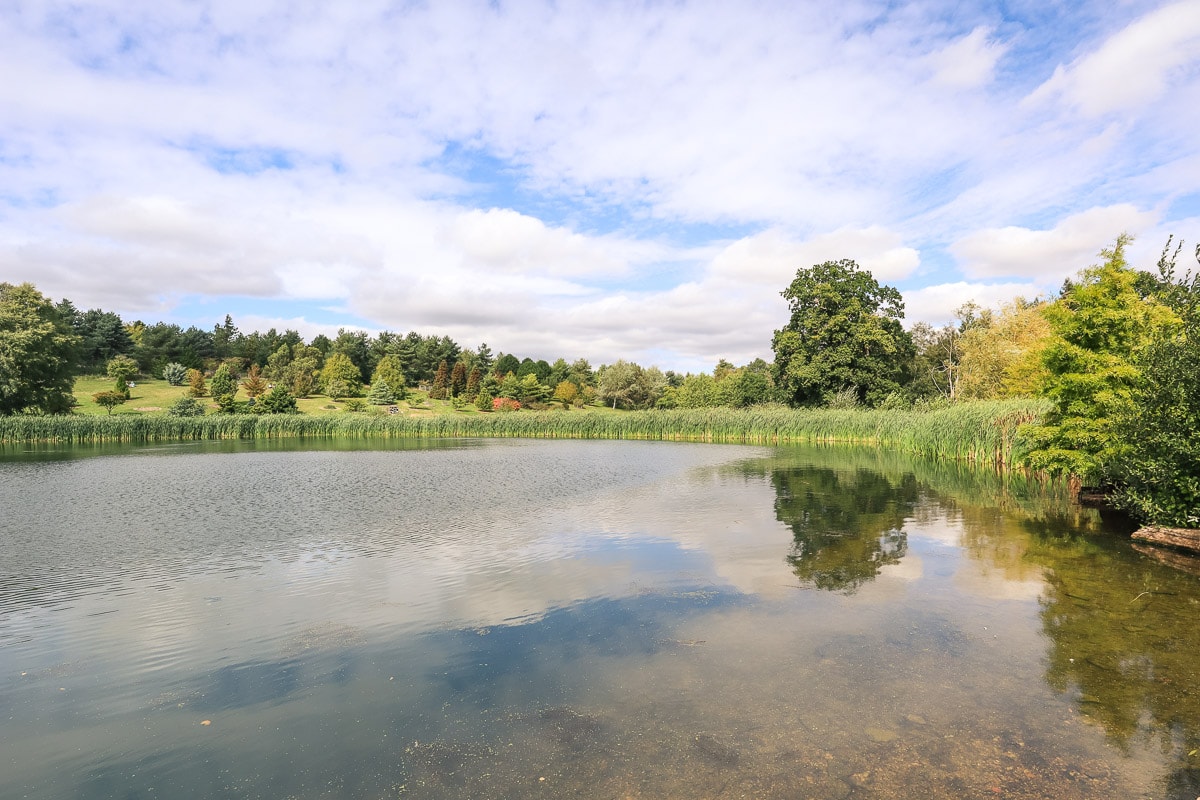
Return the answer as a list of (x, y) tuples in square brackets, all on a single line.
[(1133, 67), (937, 304), (772, 257), (1048, 256), (507, 241), (969, 61), (541, 178)]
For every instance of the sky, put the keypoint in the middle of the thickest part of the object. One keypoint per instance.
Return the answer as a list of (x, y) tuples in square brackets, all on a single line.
[(597, 180)]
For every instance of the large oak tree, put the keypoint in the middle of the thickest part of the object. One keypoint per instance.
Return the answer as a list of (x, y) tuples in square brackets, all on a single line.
[(844, 335)]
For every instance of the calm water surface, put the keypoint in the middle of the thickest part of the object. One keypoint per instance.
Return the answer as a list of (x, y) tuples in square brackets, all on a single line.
[(512, 619)]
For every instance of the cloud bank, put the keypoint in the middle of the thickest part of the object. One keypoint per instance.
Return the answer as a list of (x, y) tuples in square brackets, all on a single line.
[(629, 180)]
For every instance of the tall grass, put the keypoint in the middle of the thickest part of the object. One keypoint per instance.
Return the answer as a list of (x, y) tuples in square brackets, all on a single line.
[(979, 432)]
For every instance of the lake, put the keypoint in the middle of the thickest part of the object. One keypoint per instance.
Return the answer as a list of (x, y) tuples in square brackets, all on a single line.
[(513, 619)]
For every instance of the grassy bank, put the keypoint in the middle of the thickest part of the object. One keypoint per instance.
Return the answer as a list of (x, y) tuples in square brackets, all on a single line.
[(983, 432)]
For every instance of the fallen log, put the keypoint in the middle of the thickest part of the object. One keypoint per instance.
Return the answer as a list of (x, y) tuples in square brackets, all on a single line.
[(1176, 559), (1180, 538)]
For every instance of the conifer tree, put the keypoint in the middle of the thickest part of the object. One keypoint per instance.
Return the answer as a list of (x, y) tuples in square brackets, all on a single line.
[(380, 394), (458, 379), (196, 381), (438, 391), (224, 388), (254, 384)]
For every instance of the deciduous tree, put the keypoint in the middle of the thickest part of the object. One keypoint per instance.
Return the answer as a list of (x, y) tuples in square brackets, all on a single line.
[(391, 371), (109, 400), (1156, 462), (844, 334), (340, 375), (122, 369)]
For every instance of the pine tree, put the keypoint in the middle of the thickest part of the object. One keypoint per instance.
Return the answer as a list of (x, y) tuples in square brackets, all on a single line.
[(223, 386), (473, 381), (458, 379), (438, 392), (254, 383)]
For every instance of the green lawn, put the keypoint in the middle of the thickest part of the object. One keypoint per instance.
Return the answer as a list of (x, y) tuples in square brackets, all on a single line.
[(154, 396)]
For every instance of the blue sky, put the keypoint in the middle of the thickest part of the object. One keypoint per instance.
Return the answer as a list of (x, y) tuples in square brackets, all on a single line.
[(600, 180)]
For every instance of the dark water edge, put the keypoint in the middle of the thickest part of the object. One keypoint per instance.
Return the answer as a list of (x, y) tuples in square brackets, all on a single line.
[(596, 619)]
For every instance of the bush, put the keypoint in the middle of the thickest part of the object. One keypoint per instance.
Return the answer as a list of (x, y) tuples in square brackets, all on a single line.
[(1157, 465), (186, 406), (277, 401), (174, 373), (505, 404), (354, 404)]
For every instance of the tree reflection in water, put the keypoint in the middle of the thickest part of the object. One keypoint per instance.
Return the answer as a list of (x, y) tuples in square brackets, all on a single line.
[(847, 524)]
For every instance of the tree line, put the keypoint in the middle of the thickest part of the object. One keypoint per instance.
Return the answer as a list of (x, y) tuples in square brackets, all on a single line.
[(1116, 352)]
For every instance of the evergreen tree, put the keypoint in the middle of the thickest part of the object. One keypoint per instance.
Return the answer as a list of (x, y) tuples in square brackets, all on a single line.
[(438, 391), (174, 373), (458, 379), (198, 387), (1098, 329), (473, 381), (484, 358), (186, 406), (223, 385), (381, 394), (254, 384), (277, 401)]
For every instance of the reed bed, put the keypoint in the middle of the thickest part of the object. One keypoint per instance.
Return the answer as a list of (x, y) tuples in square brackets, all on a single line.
[(977, 432)]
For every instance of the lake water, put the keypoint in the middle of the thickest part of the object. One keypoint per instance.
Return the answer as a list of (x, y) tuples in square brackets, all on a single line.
[(520, 619)]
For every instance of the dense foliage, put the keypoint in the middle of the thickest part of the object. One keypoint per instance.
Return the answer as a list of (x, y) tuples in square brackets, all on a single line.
[(38, 351), (844, 335), (1099, 327), (1156, 463)]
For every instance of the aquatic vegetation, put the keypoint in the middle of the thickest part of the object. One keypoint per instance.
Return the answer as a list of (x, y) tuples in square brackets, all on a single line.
[(980, 432)]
